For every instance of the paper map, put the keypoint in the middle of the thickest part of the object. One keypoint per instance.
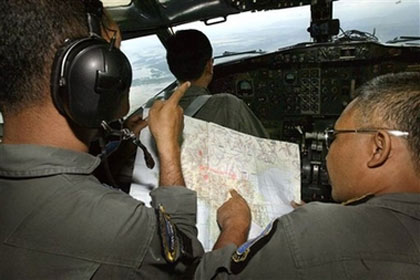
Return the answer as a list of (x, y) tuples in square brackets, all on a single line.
[(216, 159)]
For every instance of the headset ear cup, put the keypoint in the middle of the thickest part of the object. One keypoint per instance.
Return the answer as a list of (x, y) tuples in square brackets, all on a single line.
[(90, 82), (113, 85)]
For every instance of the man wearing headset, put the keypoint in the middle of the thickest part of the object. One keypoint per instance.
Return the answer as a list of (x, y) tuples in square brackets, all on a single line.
[(58, 84)]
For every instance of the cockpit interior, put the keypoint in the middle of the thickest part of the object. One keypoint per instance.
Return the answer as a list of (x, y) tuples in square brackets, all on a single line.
[(297, 90)]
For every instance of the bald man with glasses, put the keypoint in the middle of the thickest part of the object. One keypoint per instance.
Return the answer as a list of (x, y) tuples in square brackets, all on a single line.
[(374, 167)]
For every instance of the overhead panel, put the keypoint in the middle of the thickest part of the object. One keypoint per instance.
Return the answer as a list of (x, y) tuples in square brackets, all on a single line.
[(142, 17), (259, 5)]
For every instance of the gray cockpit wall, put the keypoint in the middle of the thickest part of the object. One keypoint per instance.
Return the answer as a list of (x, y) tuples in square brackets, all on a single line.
[(143, 17)]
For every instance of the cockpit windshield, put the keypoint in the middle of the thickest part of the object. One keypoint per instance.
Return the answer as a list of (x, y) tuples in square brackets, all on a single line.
[(250, 34)]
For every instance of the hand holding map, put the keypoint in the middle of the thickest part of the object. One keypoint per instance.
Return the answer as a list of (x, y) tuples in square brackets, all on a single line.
[(216, 159)]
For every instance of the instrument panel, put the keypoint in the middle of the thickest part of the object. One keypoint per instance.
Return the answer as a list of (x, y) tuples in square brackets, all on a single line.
[(299, 91)]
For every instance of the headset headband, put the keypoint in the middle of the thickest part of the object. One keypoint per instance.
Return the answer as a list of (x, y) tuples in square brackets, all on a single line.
[(90, 77)]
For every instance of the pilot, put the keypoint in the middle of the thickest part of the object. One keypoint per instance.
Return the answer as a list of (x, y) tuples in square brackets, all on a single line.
[(374, 166), (57, 220), (189, 57)]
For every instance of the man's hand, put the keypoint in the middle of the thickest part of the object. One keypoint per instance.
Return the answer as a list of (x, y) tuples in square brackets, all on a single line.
[(234, 212), (234, 220), (297, 204), (166, 120), (135, 123)]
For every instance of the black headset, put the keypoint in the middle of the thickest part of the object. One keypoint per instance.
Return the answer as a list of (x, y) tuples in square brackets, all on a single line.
[(90, 77)]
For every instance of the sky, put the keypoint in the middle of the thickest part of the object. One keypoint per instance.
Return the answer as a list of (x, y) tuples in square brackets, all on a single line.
[(269, 31)]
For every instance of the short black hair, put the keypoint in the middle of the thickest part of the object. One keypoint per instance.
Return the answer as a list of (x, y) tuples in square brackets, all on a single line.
[(31, 33), (188, 51), (393, 101)]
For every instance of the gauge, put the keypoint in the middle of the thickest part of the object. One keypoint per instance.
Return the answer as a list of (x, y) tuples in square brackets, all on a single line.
[(244, 88), (290, 78)]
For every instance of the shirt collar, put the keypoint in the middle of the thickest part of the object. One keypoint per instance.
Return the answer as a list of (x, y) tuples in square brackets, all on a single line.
[(406, 203), (25, 161), (196, 91)]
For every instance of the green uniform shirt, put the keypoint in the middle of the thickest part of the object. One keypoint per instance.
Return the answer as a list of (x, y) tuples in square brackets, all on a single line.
[(58, 222), (378, 239), (226, 110)]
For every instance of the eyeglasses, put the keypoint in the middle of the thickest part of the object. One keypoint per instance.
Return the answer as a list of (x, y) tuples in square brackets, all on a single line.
[(330, 133)]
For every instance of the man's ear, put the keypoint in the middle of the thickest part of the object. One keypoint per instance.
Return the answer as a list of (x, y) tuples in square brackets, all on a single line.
[(209, 66), (380, 149)]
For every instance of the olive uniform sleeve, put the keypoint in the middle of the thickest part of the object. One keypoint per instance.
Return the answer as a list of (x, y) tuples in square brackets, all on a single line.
[(174, 250), (259, 258)]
